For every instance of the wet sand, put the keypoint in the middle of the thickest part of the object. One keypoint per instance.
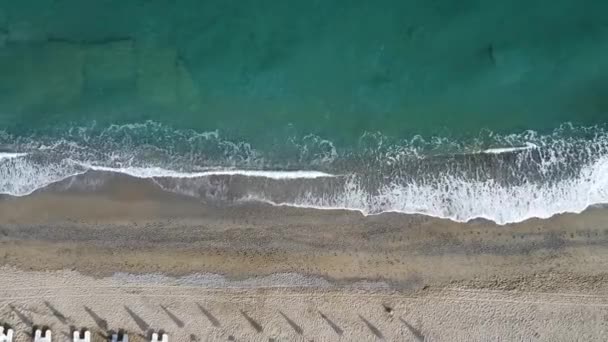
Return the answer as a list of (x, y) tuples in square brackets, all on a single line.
[(530, 280)]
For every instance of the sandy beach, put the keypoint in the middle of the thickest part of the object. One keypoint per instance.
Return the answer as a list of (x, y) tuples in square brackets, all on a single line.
[(195, 312), (128, 254), (307, 171)]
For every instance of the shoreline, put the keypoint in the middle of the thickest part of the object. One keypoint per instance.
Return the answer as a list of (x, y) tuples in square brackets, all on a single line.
[(114, 258), (510, 200)]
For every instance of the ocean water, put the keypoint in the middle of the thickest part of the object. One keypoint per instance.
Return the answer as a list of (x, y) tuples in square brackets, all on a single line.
[(454, 109)]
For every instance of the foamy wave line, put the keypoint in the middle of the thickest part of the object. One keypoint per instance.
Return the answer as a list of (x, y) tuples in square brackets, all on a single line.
[(157, 172), (463, 200), (23, 176), (500, 150), (541, 215), (9, 155), (449, 197), (544, 214), (571, 175)]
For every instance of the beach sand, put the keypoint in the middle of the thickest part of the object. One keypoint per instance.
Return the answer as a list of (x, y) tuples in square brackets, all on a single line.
[(128, 256)]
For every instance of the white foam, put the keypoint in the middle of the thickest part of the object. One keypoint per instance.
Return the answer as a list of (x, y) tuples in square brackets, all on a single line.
[(463, 200), (7, 155), (21, 176), (157, 172), (446, 195), (450, 197), (500, 150)]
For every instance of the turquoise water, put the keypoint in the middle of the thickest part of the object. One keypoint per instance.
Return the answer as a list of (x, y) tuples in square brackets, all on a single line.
[(337, 69), (378, 92)]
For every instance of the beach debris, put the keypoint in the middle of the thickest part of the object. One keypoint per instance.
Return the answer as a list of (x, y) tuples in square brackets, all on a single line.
[(388, 309), (6, 335), (40, 337), (78, 337), (163, 337), (123, 338)]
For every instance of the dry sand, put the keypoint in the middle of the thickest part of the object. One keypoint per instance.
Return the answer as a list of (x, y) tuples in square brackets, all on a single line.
[(123, 259), (67, 299)]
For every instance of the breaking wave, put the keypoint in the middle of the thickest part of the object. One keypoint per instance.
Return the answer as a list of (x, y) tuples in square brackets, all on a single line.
[(503, 178)]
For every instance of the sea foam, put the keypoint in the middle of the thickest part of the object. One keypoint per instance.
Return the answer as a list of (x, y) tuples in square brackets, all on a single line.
[(499, 150), (515, 178), (158, 172), (7, 155), (462, 200)]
